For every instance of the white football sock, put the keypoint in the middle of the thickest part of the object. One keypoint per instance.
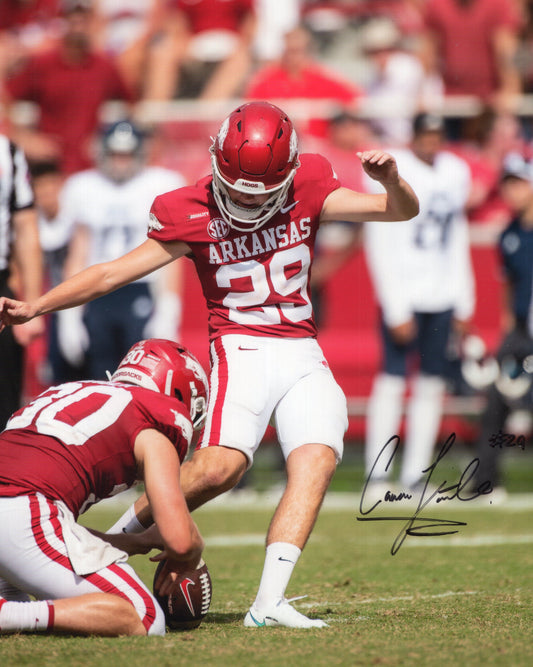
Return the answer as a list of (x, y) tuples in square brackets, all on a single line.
[(384, 415), (128, 523), (424, 414), (26, 616), (280, 559)]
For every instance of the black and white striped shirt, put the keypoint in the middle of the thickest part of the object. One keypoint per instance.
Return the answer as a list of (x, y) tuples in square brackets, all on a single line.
[(16, 193)]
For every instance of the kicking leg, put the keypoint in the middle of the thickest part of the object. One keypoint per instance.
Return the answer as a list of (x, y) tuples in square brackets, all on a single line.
[(309, 472)]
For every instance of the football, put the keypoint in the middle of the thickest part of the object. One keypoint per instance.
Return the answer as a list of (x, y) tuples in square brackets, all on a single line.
[(188, 605)]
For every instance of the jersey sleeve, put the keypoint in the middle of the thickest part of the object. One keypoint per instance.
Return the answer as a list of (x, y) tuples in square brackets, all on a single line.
[(315, 180), (165, 415), (323, 173), (162, 224)]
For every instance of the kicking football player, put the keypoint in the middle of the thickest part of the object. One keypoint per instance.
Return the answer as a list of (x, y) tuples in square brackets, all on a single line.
[(250, 228), (74, 445)]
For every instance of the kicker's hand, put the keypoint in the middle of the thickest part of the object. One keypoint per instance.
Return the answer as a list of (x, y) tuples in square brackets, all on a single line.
[(14, 312), (380, 166)]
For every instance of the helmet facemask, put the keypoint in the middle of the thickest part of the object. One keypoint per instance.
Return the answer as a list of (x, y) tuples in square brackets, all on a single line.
[(198, 409), (242, 218)]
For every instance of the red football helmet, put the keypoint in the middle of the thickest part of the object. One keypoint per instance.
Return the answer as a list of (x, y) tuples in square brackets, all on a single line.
[(254, 152), (169, 368)]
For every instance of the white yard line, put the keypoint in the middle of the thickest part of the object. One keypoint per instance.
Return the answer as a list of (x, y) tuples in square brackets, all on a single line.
[(394, 598), (246, 499), (244, 540), (252, 500), (254, 539), (473, 541)]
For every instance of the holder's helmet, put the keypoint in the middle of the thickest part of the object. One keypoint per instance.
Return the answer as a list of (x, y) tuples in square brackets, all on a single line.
[(169, 368)]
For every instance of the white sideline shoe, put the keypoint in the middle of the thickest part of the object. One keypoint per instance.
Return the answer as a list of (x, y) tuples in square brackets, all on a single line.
[(280, 613)]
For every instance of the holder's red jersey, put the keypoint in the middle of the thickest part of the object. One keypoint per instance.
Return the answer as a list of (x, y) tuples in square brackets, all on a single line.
[(254, 283), (75, 441)]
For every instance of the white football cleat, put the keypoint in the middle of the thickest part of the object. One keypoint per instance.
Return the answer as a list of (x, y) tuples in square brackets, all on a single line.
[(280, 613)]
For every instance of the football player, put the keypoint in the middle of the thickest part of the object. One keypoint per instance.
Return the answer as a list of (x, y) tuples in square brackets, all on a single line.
[(250, 228), (106, 208), (78, 443), (423, 277)]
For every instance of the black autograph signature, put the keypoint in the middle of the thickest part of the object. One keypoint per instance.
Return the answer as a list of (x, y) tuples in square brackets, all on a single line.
[(417, 524)]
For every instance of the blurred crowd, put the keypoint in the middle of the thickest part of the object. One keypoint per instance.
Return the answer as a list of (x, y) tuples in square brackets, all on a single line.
[(352, 73), (383, 60)]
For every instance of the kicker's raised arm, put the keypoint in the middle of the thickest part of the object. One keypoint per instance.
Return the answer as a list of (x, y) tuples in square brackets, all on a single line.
[(398, 202)]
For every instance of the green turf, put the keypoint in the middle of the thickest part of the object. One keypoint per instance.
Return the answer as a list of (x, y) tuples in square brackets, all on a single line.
[(465, 599)]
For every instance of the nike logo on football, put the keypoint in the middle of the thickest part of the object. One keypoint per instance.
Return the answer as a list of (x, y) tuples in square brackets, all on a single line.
[(286, 209), (184, 585), (248, 349)]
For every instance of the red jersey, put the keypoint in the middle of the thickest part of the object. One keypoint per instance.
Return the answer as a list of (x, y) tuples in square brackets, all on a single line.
[(69, 98), (75, 441), (254, 283), (215, 14)]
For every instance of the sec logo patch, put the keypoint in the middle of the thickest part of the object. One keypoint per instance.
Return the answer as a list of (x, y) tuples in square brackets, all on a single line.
[(218, 229)]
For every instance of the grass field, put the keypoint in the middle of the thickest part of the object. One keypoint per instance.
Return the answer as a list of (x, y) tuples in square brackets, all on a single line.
[(463, 599)]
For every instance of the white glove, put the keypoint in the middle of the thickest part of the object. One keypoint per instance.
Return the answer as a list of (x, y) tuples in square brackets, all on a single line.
[(166, 318), (72, 336)]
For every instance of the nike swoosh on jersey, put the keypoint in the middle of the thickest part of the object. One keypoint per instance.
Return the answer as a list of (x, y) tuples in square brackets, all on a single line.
[(286, 209)]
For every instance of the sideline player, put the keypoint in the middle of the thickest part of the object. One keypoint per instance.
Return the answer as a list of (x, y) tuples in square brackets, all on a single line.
[(106, 208), (78, 443), (250, 229), (423, 278), (19, 250)]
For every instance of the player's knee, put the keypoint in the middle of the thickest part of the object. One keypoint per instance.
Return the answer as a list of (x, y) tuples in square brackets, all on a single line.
[(132, 625), (321, 460), (225, 477), (106, 614), (221, 468)]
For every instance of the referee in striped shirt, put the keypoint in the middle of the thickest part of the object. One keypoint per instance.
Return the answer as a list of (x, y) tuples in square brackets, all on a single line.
[(20, 269)]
